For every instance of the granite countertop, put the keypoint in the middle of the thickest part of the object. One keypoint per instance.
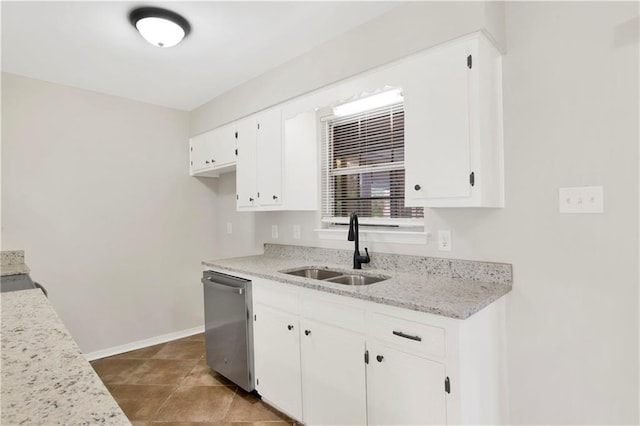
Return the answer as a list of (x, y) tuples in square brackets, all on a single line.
[(12, 263), (448, 287), (45, 377)]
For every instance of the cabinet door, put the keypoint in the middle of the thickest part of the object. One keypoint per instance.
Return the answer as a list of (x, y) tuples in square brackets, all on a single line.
[(199, 153), (333, 375), (300, 144), (277, 359), (246, 174), (223, 146), (437, 126), (404, 388), (269, 161)]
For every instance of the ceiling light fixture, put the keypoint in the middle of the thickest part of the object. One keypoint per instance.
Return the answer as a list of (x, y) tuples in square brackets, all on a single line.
[(160, 27), (378, 100)]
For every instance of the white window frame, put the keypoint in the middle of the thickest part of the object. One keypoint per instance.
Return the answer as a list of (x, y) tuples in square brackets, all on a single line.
[(400, 230)]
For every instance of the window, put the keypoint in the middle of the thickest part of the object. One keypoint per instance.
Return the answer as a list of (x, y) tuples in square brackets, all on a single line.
[(363, 169)]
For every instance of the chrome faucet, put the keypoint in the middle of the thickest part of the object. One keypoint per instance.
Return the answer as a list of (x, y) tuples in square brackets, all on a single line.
[(358, 260)]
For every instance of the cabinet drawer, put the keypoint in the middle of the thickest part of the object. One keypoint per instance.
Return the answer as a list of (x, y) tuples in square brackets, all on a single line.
[(418, 337)]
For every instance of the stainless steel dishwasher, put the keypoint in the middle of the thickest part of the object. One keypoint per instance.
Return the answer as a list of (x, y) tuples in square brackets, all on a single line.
[(228, 327)]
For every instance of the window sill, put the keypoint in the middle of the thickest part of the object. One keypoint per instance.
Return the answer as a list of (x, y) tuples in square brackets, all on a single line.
[(376, 236)]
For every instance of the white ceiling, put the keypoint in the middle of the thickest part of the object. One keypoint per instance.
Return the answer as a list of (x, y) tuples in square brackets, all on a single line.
[(92, 45)]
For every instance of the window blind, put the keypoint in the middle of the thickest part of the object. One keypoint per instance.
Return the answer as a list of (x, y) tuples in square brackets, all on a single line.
[(363, 169)]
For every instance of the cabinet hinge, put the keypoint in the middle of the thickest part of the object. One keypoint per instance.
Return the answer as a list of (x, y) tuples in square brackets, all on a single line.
[(469, 61), (237, 197), (366, 357), (192, 163), (255, 317), (191, 149), (472, 178), (447, 385)]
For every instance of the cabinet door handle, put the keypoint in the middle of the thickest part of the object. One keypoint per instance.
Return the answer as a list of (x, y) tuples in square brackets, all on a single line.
[(213, 161), (407, 336), (307, 332), (206, 161), (275, 197), (417, 187), (250, 200), (290, 327), (379, 358)]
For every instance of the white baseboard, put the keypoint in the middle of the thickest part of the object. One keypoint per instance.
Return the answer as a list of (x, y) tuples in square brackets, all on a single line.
[(116, 350)]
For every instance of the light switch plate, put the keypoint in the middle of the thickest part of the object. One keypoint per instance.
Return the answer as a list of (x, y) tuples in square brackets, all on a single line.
[(296, 232), (274, 232), (581, 199), (229, 228)]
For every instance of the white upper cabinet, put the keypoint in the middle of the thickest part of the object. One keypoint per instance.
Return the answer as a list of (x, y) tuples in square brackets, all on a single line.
[(301, 180), (453, 126), (269, 157), (199, 154), (213, 153), (246, 168), (277, 162), (223, 147), (259, 170), (453, 147)]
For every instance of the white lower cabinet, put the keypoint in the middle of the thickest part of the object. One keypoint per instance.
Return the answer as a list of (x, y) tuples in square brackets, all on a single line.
[(328, 359), (403, 388), (277, 358), (333, 377)]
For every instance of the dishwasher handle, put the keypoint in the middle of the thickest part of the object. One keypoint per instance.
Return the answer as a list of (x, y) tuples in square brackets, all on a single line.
[(223, 287)]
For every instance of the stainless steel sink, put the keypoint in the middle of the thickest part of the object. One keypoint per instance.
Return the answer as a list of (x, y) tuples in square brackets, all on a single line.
[(316, 274), (355, 279), (334, 276)]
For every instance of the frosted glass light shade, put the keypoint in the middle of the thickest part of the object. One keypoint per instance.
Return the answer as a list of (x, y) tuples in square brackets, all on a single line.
[(160, 27), (160, 32)]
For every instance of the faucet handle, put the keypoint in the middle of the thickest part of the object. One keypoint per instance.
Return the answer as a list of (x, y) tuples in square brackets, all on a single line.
[(367, 259)]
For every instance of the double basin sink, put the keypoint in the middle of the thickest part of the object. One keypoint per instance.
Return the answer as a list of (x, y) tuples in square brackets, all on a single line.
[(335, 276)]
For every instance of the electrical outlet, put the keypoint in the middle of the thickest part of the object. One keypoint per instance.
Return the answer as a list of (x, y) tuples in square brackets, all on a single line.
[(444, 240), (581, 199), (274, 232), (229, 228), (296, 232)]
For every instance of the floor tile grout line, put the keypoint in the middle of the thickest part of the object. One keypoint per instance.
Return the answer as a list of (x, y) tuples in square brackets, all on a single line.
[(225, 418), (173, 391)]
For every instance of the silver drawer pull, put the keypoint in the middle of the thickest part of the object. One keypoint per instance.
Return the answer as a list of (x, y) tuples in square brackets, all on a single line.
[(407, 336)]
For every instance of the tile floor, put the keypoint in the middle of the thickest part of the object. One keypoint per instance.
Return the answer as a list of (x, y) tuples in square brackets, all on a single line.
[(170, 384)]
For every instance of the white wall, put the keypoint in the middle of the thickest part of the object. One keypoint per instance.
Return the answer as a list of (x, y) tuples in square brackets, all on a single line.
[(571, 118), (96, 190)]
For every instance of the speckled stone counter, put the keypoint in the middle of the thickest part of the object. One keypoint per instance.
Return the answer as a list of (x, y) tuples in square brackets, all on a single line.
[(45, 378), (12, 263), (448, 287)]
